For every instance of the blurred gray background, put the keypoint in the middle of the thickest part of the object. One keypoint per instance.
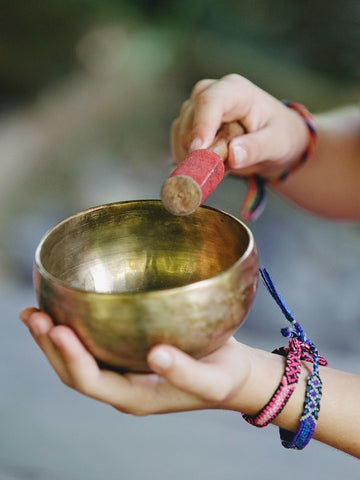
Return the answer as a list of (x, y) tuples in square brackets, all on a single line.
[(88, 90)]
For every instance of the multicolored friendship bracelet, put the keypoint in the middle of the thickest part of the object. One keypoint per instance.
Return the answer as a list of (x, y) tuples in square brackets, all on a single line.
[(255, 198), (300, 348), (308, 419), (309, 120)]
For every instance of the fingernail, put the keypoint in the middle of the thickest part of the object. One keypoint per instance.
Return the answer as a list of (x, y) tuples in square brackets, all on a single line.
[(160, 358), (196, 144), (240, 156)]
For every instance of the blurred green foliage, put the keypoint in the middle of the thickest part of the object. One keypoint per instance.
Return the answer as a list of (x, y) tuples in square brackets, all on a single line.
[(322, 34), (37, 37)]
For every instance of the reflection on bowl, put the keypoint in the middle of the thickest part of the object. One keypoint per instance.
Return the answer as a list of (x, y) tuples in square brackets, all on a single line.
[(126, 276)]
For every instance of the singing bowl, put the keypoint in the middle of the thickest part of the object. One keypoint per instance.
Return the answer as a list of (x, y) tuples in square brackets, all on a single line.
[(126, 276)]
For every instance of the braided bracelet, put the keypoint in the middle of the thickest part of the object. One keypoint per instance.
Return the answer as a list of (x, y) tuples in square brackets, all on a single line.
[(310, 414), (300, 348), (307, 117), (255, 198), (284, 391)]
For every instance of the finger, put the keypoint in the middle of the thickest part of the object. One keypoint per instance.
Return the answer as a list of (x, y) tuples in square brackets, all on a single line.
[(257, 153), (225, 100), (85, 375), (40, 326), (182, 138), (177, 150), (26, 313), (82, 370), (75, 366), (200, 86), (185, 125), (207, 381), (138, 394), (181, 131), (207, 118)]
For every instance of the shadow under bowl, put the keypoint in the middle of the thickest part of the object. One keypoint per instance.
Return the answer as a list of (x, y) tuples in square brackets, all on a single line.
[(126, 276)]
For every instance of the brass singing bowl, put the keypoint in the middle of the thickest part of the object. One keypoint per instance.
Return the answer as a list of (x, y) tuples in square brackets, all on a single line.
[(126, 276)]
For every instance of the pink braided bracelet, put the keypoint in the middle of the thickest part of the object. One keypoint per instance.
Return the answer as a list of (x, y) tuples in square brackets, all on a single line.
[(286, 387)]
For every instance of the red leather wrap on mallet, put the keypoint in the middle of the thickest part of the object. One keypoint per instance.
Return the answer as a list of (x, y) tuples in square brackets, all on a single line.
[(197, 176), (192, 182)]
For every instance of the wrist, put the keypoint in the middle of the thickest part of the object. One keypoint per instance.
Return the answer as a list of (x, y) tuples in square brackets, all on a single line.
[(264, 372)]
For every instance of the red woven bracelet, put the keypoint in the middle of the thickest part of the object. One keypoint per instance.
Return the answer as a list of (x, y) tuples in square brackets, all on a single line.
[(308, 119), (286, 387), (254, 201)]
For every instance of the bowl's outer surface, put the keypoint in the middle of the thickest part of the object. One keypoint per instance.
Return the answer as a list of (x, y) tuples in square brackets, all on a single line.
[(208, 259)]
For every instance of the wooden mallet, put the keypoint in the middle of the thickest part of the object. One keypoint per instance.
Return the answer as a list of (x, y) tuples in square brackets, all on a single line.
[(197, 176)]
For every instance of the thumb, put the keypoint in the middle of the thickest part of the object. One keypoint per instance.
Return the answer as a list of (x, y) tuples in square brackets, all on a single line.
[(265, 152), (206, 381), (251, 149)]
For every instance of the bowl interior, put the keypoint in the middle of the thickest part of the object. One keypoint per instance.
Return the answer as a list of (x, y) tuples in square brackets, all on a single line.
[(139, 246)]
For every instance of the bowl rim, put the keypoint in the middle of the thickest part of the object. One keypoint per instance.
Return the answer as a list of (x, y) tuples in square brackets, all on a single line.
[(50, 277)]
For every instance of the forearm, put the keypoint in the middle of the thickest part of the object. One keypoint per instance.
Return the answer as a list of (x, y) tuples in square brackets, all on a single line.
[(329, 183), (339, 419)]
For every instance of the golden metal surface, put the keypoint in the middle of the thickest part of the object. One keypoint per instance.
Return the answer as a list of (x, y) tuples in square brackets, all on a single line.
[(129, 275)]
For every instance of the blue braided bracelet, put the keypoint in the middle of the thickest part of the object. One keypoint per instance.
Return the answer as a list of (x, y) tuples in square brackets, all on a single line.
[(308, 419)]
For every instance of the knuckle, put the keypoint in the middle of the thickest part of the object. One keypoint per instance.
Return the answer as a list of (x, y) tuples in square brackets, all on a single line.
[(204, 99), (184, 107), (233, 78), (200, 86)]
